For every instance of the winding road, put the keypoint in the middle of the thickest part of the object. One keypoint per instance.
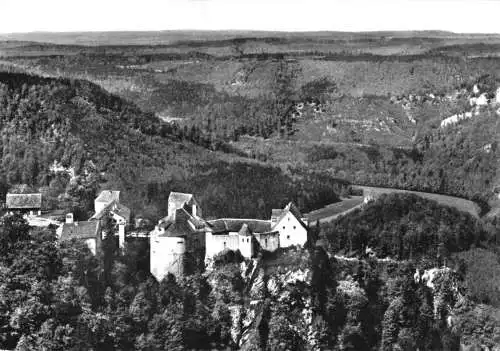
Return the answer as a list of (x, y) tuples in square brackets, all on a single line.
[(347, 205)]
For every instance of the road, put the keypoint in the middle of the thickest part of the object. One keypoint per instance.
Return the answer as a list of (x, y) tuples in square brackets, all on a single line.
[(453, 201), (348, 205)]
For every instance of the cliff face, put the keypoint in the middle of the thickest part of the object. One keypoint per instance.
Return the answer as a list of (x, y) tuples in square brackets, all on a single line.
[(302, 299)]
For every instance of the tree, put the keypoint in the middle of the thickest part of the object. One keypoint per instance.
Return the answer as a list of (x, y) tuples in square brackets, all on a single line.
[(390, 325), (281, 335), (14, 230)]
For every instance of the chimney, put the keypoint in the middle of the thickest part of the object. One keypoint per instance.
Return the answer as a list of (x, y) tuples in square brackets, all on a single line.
[(69, 218), (194, 210)]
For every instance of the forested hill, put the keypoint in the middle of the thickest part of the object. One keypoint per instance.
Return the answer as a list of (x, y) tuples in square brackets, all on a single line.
[(51, 128), (405, 226)]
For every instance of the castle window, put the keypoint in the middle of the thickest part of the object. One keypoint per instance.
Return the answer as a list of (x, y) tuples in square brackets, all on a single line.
[(283, 227), (224, 244), (265, 241), (242, 240), (294, 227), (288, 237), (248, 240)]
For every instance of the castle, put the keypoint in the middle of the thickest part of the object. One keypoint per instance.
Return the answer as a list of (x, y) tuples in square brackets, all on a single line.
[(183, 238)]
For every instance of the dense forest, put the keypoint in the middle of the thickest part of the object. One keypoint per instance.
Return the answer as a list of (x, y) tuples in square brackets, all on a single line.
[(214, 100), (61, 297), (70, 138), (406, 227)]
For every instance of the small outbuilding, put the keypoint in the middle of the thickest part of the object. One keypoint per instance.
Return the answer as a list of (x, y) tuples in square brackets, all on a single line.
[(24, 203), (87, 231)]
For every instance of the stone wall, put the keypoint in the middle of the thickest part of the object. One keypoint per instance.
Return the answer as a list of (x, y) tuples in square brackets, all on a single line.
[(268, 241), (216, 243)]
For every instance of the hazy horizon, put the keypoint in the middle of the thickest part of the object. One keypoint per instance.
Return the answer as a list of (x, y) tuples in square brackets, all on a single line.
[(57, 16)]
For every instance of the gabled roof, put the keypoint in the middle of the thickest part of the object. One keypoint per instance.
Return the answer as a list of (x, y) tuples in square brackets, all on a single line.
[(290, 208), (115, 207), (177, 229), (24, 201), (182, 224), (245, 231), (108, 196), (179, 199), (121, 210), (80, 230)]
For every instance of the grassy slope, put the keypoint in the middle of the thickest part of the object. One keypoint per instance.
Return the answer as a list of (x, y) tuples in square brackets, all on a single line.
[(331, 212)]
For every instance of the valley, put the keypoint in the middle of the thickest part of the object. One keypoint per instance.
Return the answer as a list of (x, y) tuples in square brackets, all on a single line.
[(387, 142)]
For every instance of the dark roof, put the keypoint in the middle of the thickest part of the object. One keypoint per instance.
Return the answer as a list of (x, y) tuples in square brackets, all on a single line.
[(24, 201), (108, 196), (225, 225), (177, 229), (80, 230), (183, 224), (294, 209)]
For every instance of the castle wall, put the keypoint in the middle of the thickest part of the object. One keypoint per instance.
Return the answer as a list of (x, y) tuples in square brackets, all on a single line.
[(268, 241), (215, 243), (167, 256)]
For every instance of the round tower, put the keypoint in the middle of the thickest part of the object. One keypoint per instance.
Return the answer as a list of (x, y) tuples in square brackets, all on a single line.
[(167, 256)]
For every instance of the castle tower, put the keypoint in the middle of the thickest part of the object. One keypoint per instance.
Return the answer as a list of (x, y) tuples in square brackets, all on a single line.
[(245, 240), (167, 254)]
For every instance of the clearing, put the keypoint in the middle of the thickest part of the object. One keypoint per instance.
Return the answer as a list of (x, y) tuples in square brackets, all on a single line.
[(330, 212)]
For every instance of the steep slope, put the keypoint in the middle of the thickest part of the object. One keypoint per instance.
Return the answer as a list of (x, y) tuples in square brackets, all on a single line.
[(71, 137)]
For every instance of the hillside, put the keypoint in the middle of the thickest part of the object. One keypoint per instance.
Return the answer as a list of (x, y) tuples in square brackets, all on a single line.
[(404, 226), (365, 107), (459, 203), (70, 138)]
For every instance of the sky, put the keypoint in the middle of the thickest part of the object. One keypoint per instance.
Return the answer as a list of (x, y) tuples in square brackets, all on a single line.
[(462, 16)]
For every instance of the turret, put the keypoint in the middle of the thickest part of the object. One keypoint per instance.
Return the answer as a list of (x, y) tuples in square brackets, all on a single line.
[(245, 241)]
